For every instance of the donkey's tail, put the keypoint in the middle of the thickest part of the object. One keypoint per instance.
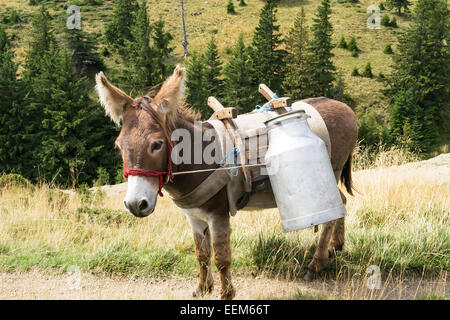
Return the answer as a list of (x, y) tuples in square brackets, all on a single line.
[(346, 176)]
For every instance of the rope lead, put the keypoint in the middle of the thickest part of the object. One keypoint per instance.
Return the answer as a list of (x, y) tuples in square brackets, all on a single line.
[(267, 106), (231, 158)]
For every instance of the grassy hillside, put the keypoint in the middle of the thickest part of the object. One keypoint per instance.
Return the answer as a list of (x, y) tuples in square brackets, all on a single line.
[(206, 18)]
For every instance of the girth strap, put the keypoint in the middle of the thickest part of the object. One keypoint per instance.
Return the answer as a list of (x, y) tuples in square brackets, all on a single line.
[(204, 191)]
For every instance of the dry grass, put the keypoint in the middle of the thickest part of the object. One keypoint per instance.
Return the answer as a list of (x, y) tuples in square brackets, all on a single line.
[(381, 156), (399, 220)]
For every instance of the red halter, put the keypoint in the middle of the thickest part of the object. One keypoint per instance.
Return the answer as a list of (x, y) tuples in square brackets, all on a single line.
[(164, 176)]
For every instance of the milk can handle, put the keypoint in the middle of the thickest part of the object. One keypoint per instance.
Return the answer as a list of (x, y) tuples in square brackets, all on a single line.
[(307, 116)]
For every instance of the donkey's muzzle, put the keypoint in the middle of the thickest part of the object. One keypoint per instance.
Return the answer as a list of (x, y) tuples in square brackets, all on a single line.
[(141, 196), (139, 208)]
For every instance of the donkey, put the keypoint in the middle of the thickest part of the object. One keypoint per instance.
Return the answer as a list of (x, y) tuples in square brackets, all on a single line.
[(145, 144)]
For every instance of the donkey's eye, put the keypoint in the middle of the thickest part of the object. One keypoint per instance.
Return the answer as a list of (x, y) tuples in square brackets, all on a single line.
[(156, 146)]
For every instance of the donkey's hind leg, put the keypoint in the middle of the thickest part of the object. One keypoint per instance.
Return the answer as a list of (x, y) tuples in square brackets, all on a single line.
[(321, 256), (202, 240), (338, 237)]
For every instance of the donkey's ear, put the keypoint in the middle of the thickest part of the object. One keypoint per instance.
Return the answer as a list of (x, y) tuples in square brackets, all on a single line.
[(171, 94), (112, 99)]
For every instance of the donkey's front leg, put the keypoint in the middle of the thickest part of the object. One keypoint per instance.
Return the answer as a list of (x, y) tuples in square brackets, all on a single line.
[(221, 237), (202, 240)]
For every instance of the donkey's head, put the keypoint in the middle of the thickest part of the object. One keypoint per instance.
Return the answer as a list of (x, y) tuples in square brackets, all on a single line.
[(144, 140)]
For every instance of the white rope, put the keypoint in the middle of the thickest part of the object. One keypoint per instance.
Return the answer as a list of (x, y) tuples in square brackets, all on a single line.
[(215, 169)]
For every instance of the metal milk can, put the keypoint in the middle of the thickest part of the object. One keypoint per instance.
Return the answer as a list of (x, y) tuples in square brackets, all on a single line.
[(300, 173)]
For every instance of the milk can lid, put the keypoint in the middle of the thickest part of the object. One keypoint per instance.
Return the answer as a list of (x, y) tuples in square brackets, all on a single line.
[(297, 113)]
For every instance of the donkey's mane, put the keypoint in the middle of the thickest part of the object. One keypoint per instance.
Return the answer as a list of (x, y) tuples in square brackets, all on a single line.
[(184, 112), (188, 114)]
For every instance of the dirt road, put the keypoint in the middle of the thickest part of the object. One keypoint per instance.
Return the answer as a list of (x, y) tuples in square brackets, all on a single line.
[(38, 285)]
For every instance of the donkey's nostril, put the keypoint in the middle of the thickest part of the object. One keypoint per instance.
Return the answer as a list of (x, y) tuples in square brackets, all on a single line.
[(140, 208), (143, 204)]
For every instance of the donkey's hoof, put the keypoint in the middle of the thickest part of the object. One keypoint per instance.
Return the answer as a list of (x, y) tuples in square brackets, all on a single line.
[(310, 276), (331, 253), (228, 294), (202, 290), (200, 293)]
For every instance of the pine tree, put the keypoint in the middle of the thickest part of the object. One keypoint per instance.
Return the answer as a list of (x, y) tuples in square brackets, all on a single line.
[(51, 92), (41, 41), (147, 53), (388, 49), (73, 127), (400, 111), (140, 56), (355, 72), (393, 23), (368, 71), (84, 48), (124, 15), (338, 91), (297, 80), (407, 124), (421, 68), (385, 21), (239, 90), (342, 43), (398, 4), (352, 45), (213, 71), (230, 7), (162, 50), (196, 94), (266, 55), (41, 38), (64, 134), (4, 40), (321, 66), (242, 3), (10, 109)]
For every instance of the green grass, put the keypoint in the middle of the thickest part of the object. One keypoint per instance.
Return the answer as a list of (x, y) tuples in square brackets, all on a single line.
[(116, 259), (271, 254), (12, 179), (396, 254)]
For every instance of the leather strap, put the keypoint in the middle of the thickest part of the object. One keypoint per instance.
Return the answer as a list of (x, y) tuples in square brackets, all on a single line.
[(204, 191)]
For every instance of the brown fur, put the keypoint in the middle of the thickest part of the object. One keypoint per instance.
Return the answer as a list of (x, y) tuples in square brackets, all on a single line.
[(203, 252)]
